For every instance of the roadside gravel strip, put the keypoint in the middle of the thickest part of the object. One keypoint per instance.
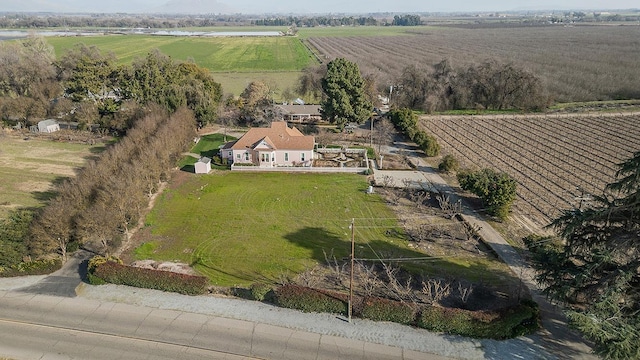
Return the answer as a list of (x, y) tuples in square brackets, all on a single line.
[(326, 324)]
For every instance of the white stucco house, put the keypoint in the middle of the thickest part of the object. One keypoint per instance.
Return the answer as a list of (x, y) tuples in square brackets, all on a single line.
[(203, 165), (48, 126), (275, 146)]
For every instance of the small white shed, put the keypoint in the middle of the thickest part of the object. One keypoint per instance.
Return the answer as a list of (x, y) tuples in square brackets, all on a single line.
[(48, 126), (203, 165)]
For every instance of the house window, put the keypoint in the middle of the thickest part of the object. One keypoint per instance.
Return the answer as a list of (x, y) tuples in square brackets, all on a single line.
[(238, 156), (286, 156), (246, 156), (302, 156)]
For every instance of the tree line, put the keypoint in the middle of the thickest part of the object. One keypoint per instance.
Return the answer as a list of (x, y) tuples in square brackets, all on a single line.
[(166, 21), (490, 85), (109, 194), (314, 21), (89, 87), (114, 22)]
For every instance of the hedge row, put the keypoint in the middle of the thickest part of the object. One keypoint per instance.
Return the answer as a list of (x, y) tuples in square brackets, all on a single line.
[(37, 267), (507, 323), (406, 121), (310, 300), (378, 309), (116, 273)]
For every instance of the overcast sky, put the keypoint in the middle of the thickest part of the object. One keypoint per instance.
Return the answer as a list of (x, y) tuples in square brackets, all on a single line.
[(316, 6), (360, 6)]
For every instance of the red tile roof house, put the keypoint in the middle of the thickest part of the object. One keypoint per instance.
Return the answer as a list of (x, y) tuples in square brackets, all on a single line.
[(276, 146)]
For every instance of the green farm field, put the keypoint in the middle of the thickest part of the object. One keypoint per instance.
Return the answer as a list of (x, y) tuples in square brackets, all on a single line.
[(235, 61), (239, 228), (28, 168), (220, 54)]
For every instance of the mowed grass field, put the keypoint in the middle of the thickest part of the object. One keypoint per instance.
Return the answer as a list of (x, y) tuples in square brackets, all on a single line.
[(238, 228), (28, 168), (235, 61)]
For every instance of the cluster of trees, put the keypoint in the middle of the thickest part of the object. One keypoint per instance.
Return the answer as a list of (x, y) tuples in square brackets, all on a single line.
[(114, 22), (27, 79), (597, 267), (345, 91), (253, 108), (496, 189), (489, 85), (406, 20), (89, 87), (109, 194), (313, 21), (157, 21)]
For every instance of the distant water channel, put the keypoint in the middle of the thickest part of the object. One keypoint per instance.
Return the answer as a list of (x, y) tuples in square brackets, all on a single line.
[(17, 34)]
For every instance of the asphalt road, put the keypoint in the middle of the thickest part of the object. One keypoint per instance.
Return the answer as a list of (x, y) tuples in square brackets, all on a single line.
[(64, 281), (51, 327), (27, 341)]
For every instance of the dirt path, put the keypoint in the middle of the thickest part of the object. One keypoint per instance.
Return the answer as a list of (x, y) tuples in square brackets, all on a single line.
[(128, 242)]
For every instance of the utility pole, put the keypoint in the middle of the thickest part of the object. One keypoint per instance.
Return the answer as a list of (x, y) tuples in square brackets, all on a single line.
[(371, 134), (353, 231)]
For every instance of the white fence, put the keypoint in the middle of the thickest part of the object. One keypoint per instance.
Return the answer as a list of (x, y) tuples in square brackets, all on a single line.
[(352, 170)]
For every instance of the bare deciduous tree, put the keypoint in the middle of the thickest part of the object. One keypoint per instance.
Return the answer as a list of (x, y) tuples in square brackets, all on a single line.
[(436, 289), (450, 209), (464, 292)]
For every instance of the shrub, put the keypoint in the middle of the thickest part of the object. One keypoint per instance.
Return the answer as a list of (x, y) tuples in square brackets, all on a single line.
[(496, 189), (515, 321), (115, 273), (447, 320), (260, 291), (38, 267), (96, 261), (430, 146), (508, 323), (448, 164), (378, 309), (404, 119), (310, 300)]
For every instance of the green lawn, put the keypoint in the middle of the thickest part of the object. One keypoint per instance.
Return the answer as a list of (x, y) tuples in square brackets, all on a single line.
[(209, 146), (238, 228), (243, 227)]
